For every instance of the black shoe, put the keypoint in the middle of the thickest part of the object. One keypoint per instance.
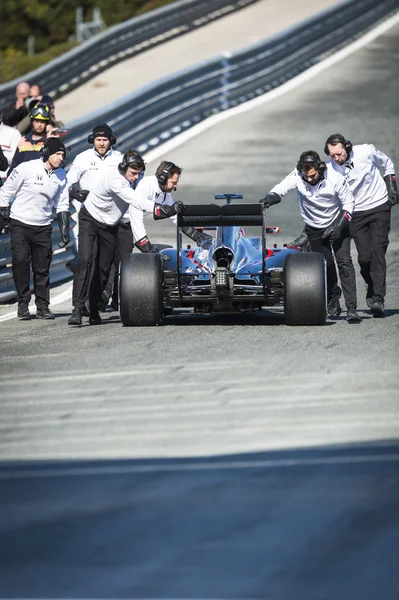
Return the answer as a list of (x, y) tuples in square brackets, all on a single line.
[(95, 318), (334, 307), (377, 308), (23, 311), (44, 313), (369, 295), (351, 315), (76, 317), (102, 305)]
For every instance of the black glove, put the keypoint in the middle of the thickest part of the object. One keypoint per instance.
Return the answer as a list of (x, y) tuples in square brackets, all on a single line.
[(3, 161), (144, 245), (333, 231), (390, 182), (270, 199), (300, 241), (200, 237), (4, 219), (76, 193), (163, 211), (63, 223)]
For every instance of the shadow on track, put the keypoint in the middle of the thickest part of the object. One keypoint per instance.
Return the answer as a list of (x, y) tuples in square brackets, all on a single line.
[(309, 524)]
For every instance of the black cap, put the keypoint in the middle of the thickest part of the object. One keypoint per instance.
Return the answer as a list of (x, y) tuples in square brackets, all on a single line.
[(102, 130), (53, 145)]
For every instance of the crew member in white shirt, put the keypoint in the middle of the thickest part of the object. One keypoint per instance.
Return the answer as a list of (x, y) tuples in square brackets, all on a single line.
[(38, 186), (326, 205), (99, 217), (370, 175), (89, 165), (9, 138), (159, 188)]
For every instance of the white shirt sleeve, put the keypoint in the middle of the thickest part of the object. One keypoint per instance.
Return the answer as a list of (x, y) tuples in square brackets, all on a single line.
[(74, 173), (11, 186), (61, 199), (121, 187), (286, 185), (344, 194), (137, 223), (382, 161)]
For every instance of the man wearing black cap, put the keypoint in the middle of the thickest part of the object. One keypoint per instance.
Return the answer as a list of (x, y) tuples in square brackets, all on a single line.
[(37, 186)]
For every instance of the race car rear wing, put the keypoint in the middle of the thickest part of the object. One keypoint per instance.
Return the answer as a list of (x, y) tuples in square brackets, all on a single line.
[(215, 215)]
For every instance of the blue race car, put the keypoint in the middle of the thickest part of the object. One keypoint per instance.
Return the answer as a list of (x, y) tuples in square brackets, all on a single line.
[(232, 274)]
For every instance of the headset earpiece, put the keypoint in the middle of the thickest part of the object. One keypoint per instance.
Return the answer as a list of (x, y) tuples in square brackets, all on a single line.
[(44, 152), (337, 138), (164, 176), (127, 162)]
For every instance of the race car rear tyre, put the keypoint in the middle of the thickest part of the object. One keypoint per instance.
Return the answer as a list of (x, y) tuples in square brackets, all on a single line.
[(305, 289), (140, 289)]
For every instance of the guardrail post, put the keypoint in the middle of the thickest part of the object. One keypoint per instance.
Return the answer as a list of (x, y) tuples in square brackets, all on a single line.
[(224, 81)]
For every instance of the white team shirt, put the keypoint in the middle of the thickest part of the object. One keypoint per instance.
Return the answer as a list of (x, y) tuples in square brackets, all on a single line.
[(319, 204), (111, 196), (364, 179), (88, 166), (148, 188), (9, 138), (37, 191)]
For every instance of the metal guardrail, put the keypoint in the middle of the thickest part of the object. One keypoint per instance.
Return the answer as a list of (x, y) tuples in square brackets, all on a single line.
[(171, 105), (159, 111), (60, 264), (120, 42)]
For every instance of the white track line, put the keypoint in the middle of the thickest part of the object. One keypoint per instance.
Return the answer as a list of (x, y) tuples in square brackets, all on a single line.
[(283, 89)]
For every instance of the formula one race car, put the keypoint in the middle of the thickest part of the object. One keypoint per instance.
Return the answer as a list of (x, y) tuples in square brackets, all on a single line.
[(235, 274)]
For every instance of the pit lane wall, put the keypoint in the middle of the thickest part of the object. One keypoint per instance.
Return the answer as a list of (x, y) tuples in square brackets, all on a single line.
[(166, 108), (120, 42)]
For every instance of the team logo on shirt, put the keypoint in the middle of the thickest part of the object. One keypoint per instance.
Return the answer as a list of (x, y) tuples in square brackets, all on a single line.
[(39, 180)]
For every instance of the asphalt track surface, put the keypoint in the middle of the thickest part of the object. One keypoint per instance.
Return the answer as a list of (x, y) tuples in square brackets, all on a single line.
[(215, 457)]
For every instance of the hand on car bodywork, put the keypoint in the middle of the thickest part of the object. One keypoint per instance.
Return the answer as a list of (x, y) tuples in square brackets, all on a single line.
[(163, 211), (270, 199)]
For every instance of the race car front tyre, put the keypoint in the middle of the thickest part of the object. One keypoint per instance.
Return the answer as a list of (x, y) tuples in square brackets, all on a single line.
[(305, 289), (140, 289)]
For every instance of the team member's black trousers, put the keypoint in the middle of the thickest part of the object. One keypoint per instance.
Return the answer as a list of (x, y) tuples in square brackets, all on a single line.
[(91, 231), (124, 245), (31, 243), (370, 229), (343, 257)]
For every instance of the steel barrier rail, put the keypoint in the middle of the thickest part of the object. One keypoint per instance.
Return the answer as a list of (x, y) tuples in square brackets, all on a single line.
[(120, 42), (159, 111), (60, 264), (171, 105)]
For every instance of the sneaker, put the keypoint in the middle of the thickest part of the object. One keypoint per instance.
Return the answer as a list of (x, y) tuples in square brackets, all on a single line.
[(76, 317), (369, 295), (95, 318), (44, 313), (102, 305), (23, 311), (351, 315), (334, 307), (377, 308)]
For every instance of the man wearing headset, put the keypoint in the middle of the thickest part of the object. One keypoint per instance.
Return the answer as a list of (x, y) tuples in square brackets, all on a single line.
[(29, 145), (99, 217), (37, 186), (91, 163), (370, 175), (326, 205), (158, 188)]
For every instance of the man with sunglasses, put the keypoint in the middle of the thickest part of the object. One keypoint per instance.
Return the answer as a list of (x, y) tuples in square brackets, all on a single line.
[(326, 205)]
